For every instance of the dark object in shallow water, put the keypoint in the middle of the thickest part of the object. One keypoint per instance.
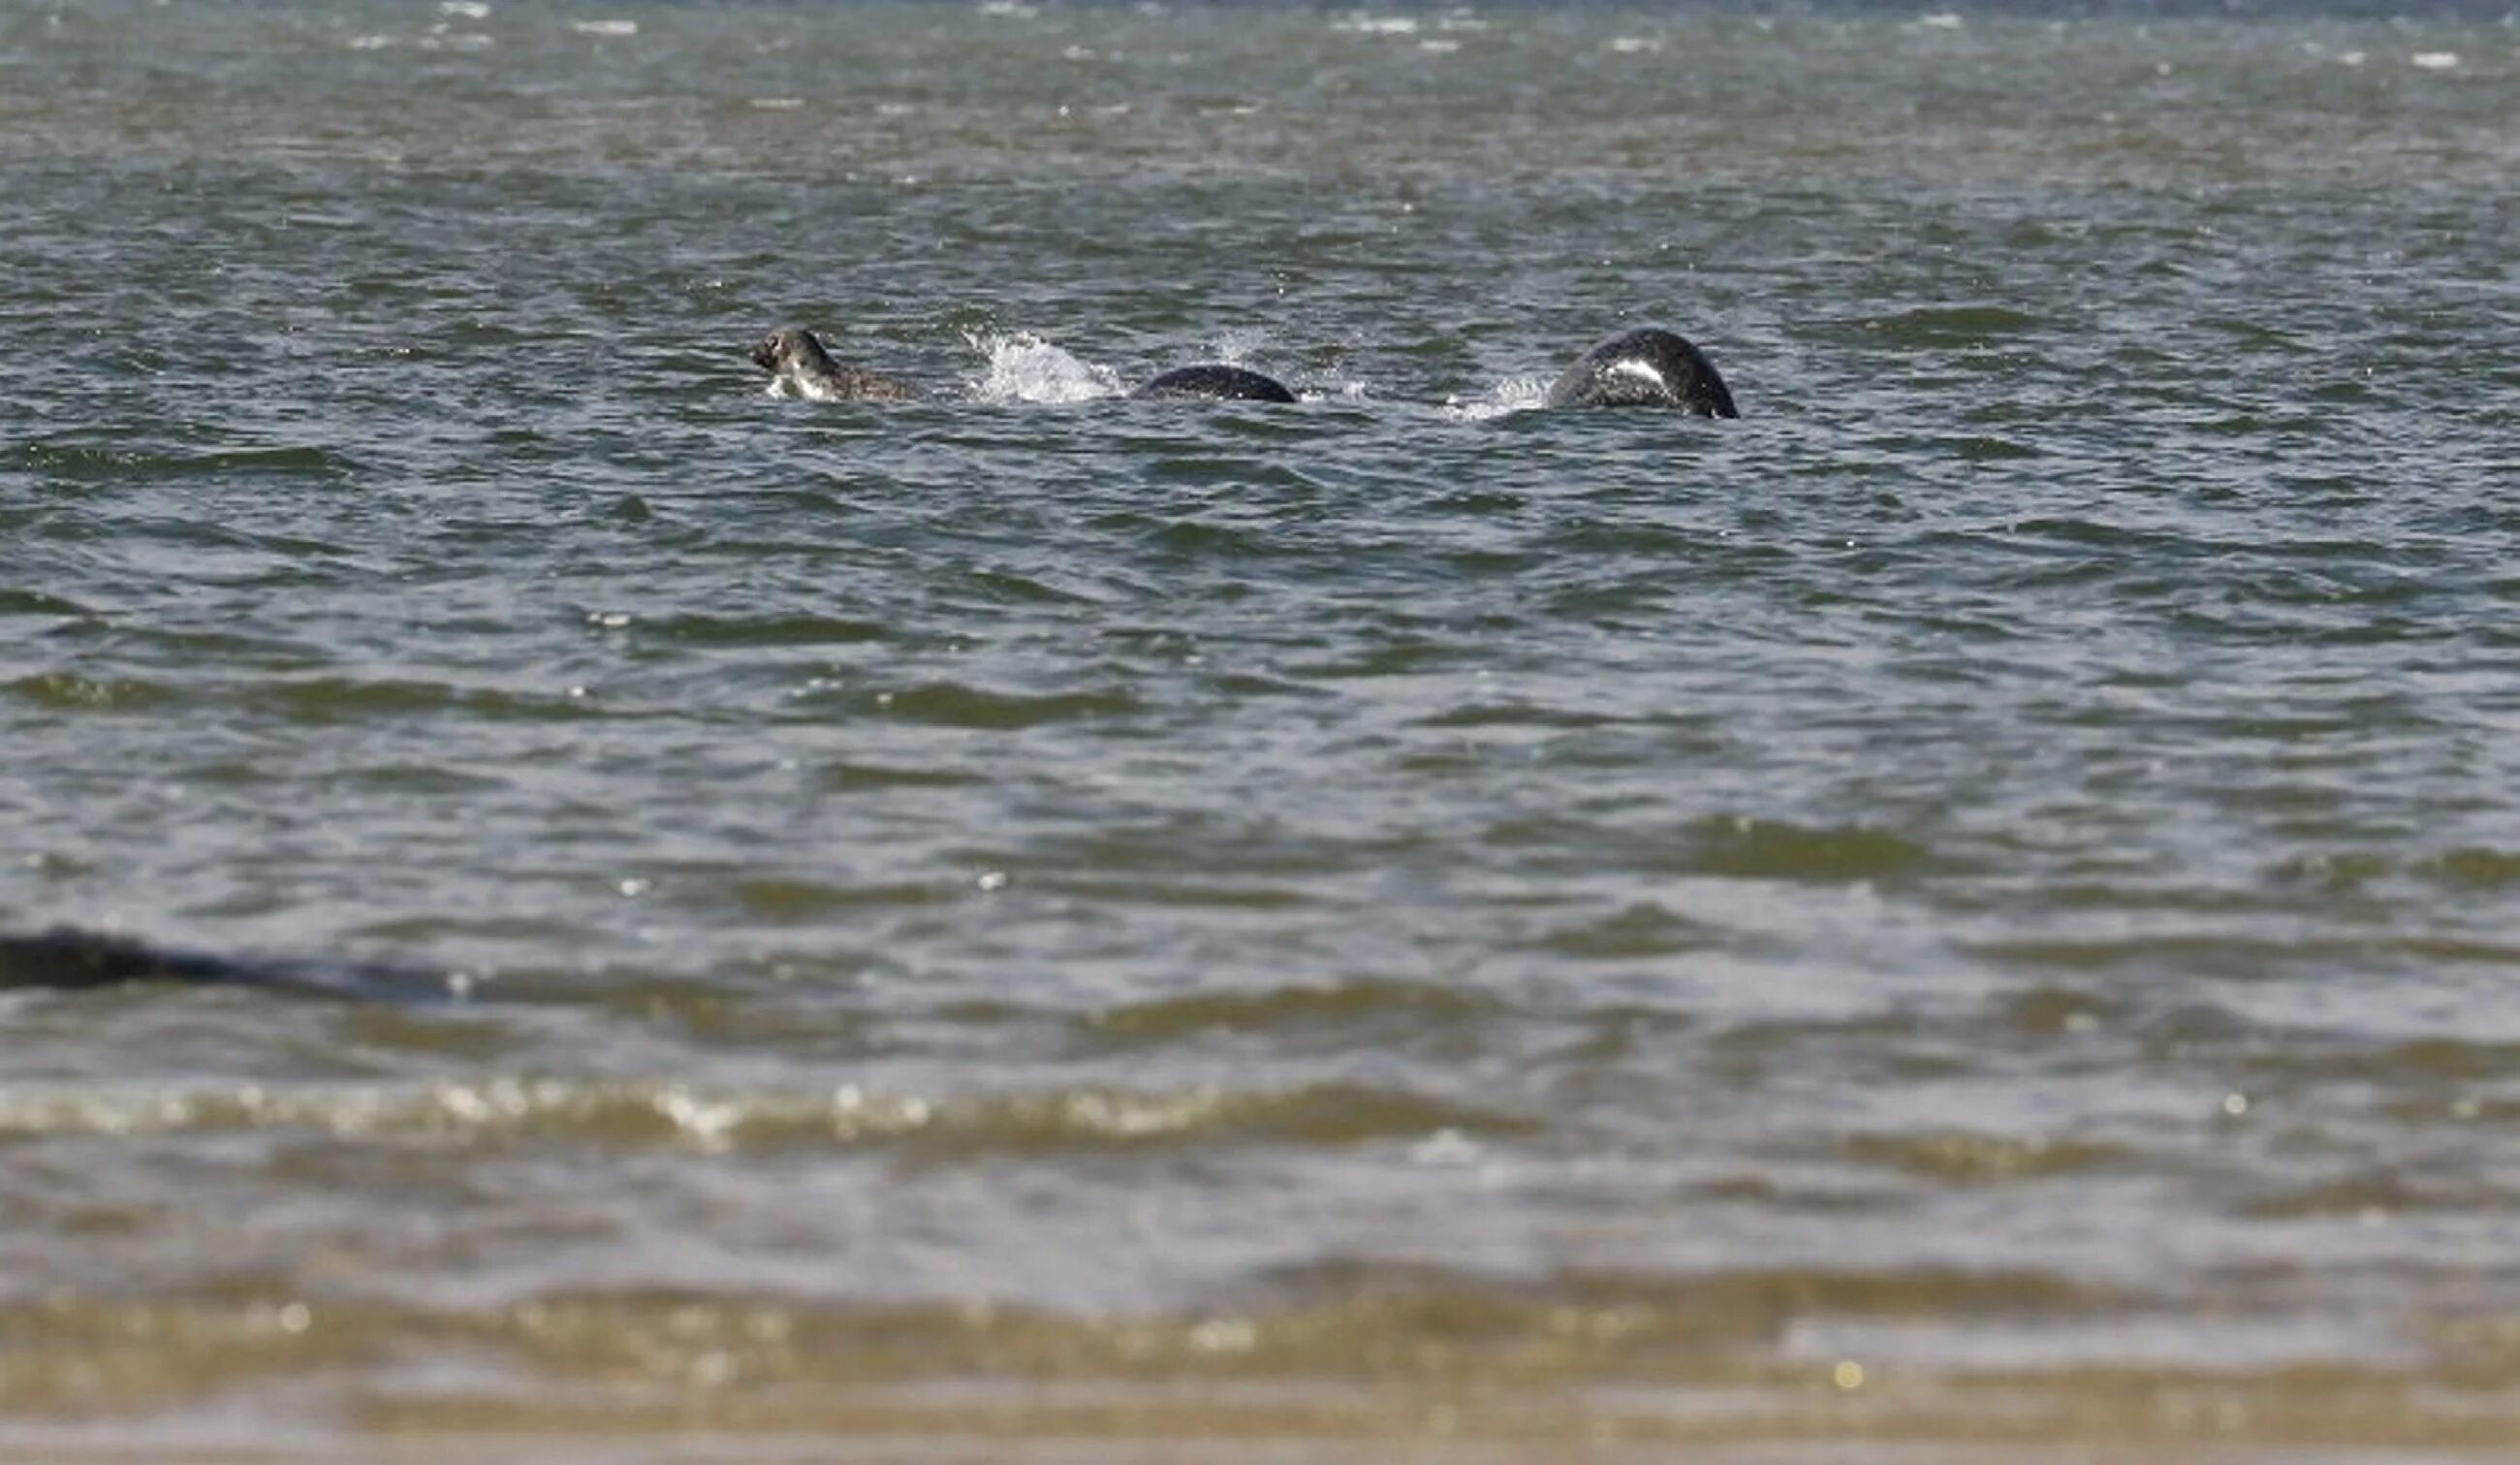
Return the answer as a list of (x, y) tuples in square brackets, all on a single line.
[(1647, 368), (795, 360), (70, 959), (1220, 383)]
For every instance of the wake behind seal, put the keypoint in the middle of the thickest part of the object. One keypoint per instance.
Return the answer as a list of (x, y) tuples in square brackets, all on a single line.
[(799, 367), (1644, 368)]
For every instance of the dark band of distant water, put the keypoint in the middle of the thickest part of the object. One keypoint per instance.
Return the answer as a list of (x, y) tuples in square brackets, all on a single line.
[(1973, 905)]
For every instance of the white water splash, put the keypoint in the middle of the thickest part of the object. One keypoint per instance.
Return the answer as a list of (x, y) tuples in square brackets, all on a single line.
[(1513, 395), (1377, 24), (1237, 346), (1025, 368)]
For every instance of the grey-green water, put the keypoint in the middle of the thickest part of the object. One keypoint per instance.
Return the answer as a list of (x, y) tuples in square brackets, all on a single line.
[(1979, 903)]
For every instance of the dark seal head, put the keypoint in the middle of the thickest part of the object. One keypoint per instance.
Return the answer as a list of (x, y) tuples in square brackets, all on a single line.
[(1216, 382), (1647, 368), (799, 366)]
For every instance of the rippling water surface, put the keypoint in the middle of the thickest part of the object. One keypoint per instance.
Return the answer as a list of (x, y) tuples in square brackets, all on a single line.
[(1975, 907)]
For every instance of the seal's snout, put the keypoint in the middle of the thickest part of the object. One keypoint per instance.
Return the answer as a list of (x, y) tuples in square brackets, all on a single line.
[(765, 352)]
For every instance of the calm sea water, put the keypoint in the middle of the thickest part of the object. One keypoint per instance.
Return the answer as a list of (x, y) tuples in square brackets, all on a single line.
[(1976, 906)]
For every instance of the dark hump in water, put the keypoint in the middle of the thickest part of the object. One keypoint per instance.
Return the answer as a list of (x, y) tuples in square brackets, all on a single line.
[(794, 357), (1644, 368), (67, 958), (1219, 383)]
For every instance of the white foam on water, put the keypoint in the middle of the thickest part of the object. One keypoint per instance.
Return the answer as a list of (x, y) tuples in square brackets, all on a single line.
[(471, 10), (443, 36), (1025, 368), (605, 28), (1235, 348), (1238, 347), (2435, 61), (1511, 395)]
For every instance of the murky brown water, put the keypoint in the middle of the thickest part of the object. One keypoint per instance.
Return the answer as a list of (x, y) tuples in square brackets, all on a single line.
[(1967, 915)]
